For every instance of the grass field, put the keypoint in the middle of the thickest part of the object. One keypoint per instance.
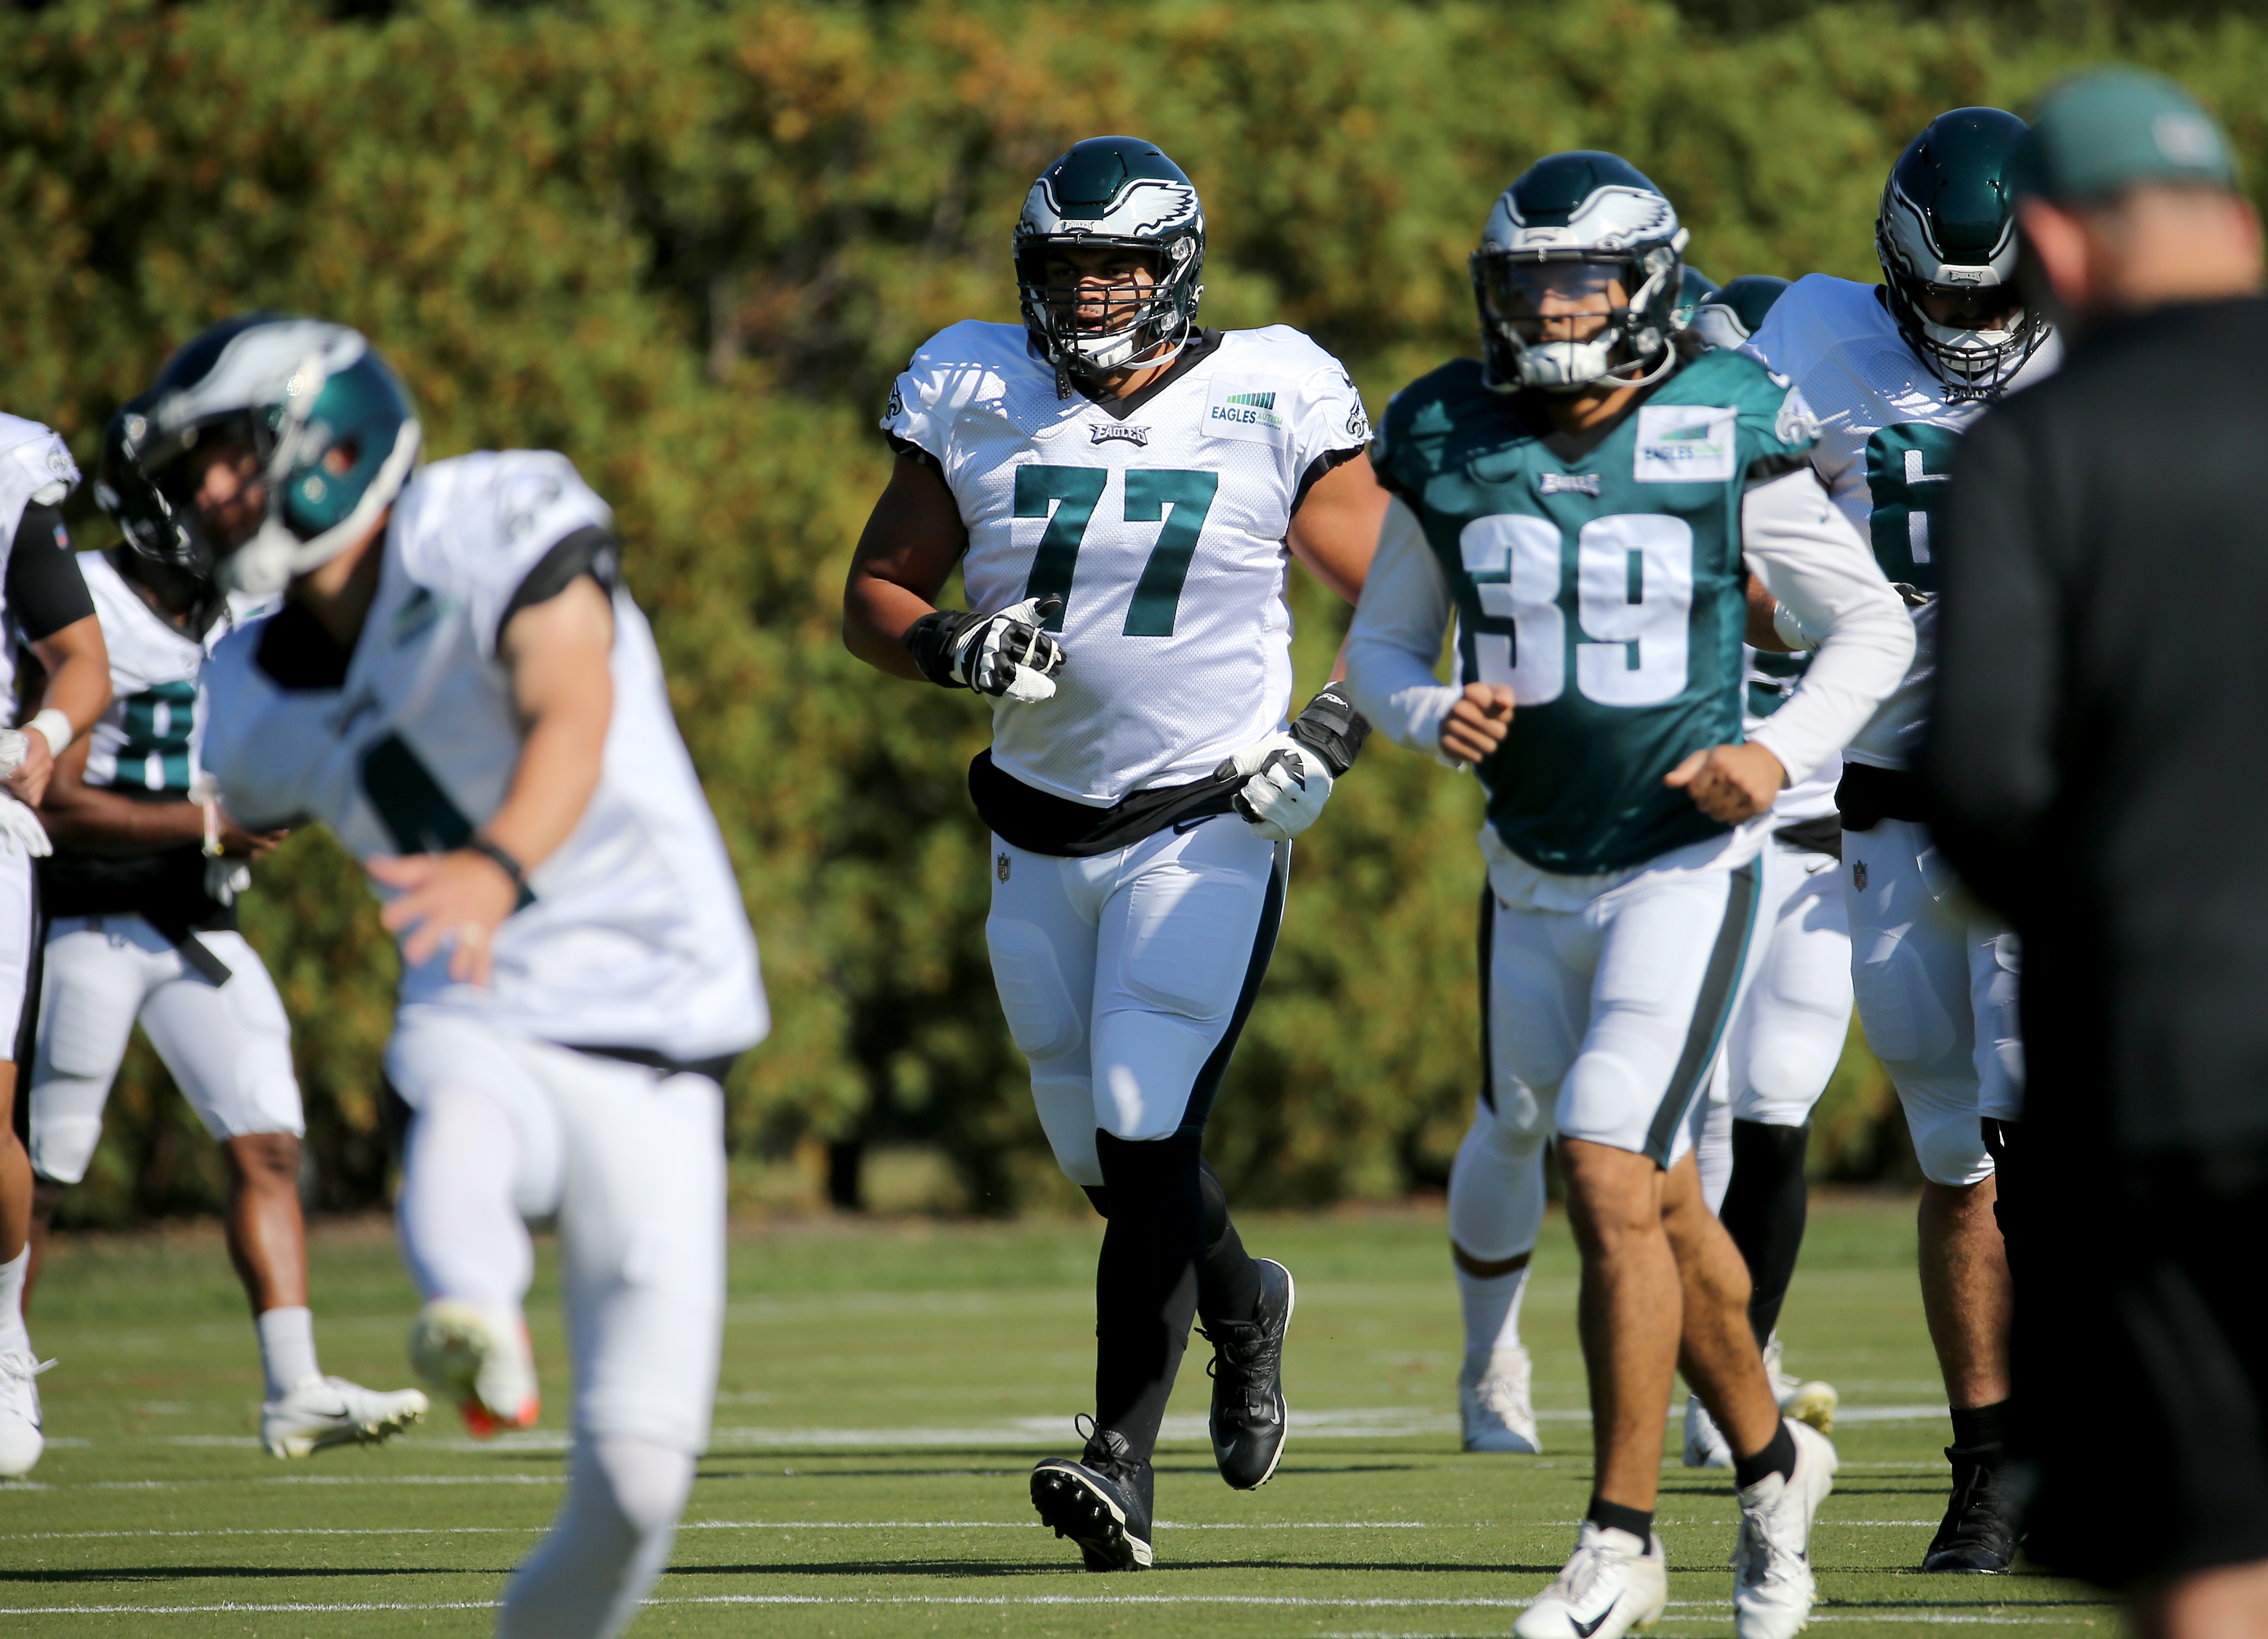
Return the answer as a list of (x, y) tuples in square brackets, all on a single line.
[(885, 1388)]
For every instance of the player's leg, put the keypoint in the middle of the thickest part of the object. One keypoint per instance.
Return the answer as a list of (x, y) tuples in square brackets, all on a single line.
[(228, 1048), (642, 1264), (1183, 938), (484, 1153), (1496, 1211), (1913, 963), (21, 1440), (1785, 1044), (1711, 1130)]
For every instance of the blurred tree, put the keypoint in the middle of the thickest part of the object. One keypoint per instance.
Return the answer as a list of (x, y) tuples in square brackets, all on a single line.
[(689, 242)]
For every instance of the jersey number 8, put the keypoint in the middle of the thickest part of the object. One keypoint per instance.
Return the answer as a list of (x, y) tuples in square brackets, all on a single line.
[(1633, 605)]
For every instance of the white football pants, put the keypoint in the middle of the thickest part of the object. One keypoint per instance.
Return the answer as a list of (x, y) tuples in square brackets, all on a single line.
[(1787, 1034), (630, 1160), (227, 1047), (1125, 977), (1611, 1016), (18, 927), (1936, 982)]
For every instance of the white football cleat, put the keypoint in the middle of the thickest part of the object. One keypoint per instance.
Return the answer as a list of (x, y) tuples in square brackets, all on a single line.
[(480, 1361), (1615, 1583), (1494, 1405), (1772, 1585), (20, 1439), (1705, 1443), (318, 1412), (1814, 1403)]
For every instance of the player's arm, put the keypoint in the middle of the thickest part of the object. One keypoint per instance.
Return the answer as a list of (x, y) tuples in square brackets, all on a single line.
[(48, 598), (1335, 531), (89, 820), (558, 656), (1396, 641), (1811, 559), (890, 618)]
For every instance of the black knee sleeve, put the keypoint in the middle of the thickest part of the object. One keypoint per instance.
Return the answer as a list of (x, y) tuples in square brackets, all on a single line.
[(1763, 1212), (1146, 1284)]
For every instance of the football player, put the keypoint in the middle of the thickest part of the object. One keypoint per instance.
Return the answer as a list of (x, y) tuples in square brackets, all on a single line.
[(139, 903), (457, 686), (1895, 372), (46, 604), (1122, 490), (1787, 1034), (1586, 506)]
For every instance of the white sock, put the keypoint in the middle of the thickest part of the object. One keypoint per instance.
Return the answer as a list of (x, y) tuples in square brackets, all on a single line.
[(287, 1347), (1491, 1304), (611, 1540), (13, 1337)]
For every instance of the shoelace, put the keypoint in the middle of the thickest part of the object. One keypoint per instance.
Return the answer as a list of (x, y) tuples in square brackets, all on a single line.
[(1581, 1574), (1251, 1354), (1756, 1542), (1502, 1391), (16, 1367), (1972, 1495)]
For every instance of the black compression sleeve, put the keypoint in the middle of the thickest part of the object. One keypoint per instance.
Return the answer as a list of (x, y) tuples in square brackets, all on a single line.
[(45, 590), (590, 550)]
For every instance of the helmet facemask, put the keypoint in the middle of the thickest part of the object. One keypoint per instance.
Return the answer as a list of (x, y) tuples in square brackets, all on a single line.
[(1099, 323), (1536, 307)]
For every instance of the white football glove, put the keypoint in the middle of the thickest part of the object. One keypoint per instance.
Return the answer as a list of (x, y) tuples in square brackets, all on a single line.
[(21, 830), (1009, 655), (1286, 787), (13, 748)]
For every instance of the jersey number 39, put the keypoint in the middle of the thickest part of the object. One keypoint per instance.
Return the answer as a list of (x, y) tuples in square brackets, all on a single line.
[(1633, 604)]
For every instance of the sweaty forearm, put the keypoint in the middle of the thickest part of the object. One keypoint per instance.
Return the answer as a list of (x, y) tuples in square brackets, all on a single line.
[(559, 766)]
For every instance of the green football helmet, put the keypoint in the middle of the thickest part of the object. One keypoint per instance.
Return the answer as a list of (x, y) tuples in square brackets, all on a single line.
[(328, 426), (1568, 226), (1694, 288), (1947, 231), (1730, 316), (1111, 193)]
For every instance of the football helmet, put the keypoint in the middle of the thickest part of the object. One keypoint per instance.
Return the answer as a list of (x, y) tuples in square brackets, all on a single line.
[(1694, 287), (329, 429), (1730, 315), (1946, 230), (1572, 226), (1111, 193)]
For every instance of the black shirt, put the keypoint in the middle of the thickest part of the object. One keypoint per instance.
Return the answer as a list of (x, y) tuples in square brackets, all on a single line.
[(2097, 756)]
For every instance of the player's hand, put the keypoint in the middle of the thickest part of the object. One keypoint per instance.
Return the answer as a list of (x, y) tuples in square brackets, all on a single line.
[(1010, 655), (1477, 724), (235, 842), (1288, 784), (28, 779), (459, 899), (1729, 784)]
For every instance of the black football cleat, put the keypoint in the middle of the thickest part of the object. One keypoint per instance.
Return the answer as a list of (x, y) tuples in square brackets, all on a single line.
[(1101, 1501), (1979, 1533), (1248, 1383)]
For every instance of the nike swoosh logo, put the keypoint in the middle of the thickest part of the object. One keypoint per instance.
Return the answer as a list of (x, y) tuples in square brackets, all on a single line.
[(1584, 1630), (1182, 827)]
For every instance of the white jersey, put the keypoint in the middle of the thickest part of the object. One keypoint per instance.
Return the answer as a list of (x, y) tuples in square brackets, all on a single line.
[(1161, 522), (636, 936), (1887, 431), (35, 468), (146, 740)]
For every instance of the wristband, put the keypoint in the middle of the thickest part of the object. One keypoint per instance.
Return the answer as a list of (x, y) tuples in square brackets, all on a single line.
[(55, 726), (500, 857)]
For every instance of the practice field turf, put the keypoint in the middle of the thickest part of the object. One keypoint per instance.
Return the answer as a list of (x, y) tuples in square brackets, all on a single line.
[(885, 1388)]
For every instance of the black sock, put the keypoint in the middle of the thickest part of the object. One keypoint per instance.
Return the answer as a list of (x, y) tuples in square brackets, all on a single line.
[(1614, 1516), (1145, 1282), (1228, 1278), (1981, 1425), (1779, 1457), (1763, 1212)]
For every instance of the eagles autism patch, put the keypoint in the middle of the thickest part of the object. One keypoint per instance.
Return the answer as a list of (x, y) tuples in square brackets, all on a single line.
[(1685, 444), (1257, 412)]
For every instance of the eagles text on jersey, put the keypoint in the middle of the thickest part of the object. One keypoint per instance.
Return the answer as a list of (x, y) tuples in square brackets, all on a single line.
[(1608, 591), (1159, 519)]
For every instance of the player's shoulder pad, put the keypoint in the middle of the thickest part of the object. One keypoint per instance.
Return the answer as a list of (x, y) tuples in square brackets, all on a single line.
[(1812, 317), (1326, 404), (1423, 419), (953, 366), (35, 468), (469, 525)]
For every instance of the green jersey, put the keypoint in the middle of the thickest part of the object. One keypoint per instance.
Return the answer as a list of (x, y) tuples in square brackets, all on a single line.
[(1607, 591)]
